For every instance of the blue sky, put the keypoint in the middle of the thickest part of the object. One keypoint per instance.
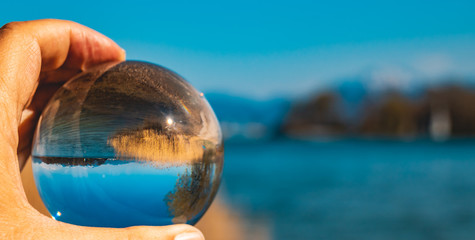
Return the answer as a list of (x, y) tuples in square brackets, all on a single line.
[(281, 48)]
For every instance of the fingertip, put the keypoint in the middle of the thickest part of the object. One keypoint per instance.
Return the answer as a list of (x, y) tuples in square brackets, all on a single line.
[(186, 232), (172, 232), (190, 236), (122, 54)]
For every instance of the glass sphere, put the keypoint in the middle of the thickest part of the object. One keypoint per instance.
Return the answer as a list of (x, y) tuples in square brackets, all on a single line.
[(126, 144)]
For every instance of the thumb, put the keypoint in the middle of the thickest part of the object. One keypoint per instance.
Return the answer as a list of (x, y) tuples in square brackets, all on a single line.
[(172, 232), (51, 229)]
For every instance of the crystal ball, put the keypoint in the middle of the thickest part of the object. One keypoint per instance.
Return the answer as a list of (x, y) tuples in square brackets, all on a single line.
[(125, 144)]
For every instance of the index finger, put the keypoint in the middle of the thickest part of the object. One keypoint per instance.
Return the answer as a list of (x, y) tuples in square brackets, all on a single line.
[(27, 48)]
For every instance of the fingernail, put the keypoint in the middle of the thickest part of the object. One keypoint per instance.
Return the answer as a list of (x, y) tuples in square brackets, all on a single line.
[(189, 236), (123, 54)]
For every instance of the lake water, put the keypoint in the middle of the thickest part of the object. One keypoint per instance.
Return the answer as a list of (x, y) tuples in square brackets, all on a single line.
[(106, 192), (353, 189)]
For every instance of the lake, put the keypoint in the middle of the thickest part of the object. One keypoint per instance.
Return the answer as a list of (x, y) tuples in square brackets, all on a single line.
[(353, 189)]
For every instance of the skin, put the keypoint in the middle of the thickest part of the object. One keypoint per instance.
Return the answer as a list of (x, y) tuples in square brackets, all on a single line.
[(36, 57)]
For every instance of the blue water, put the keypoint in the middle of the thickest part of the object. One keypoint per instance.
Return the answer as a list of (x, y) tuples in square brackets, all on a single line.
[(109, 195), (353, 189)]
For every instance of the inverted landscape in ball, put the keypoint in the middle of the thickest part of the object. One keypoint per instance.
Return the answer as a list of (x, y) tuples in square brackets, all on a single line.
[(126, 144)]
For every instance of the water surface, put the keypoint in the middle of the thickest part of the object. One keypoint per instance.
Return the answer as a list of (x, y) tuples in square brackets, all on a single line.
[(354, 189)]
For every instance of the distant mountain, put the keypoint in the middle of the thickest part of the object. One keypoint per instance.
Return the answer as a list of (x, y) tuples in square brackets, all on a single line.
[(244, 118), (439, 112), (377, 102)]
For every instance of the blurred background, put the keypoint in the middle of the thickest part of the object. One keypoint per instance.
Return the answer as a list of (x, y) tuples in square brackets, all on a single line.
[(342, 120)]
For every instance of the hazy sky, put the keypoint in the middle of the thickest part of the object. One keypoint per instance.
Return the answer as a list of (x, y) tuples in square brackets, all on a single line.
[(274, 48)]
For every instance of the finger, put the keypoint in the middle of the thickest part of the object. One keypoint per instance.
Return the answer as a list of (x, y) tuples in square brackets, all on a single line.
[(59, 75), (173, 232), (25, 132), (68, 231), (67, 43), (30, 117), (26, 48)]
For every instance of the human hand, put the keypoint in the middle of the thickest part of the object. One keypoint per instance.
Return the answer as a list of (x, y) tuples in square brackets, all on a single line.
[(36, 57)]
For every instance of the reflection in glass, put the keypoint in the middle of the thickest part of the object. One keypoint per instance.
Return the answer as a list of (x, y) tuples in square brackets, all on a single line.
[(126, 144)]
